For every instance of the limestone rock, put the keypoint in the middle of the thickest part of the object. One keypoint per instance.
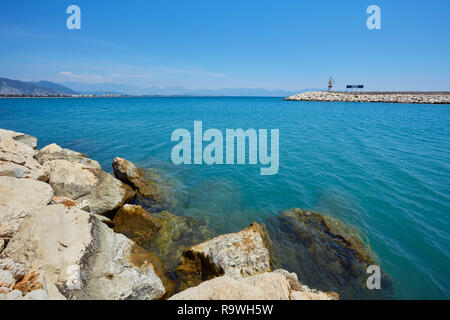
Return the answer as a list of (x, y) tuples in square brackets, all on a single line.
[(81, 257), (90, 187), (20, 137), (127, 172), (10, 169), (16, 283), (17, 159), (239, 254), (264, 286), (14, 206), (55, 152)]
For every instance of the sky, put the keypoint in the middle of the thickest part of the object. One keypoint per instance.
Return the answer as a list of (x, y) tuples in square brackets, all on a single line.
[(213, 44)]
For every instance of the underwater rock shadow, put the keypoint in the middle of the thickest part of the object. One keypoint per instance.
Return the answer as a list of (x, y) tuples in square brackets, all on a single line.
[(325, 254)]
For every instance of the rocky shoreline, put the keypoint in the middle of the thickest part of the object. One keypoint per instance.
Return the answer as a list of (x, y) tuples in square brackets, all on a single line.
[(69, 230), (385, 97)]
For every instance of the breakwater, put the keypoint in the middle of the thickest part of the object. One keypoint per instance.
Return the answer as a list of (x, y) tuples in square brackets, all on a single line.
[(386, 97)]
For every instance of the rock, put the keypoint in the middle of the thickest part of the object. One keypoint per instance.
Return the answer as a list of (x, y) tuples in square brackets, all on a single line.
[(20, 137), (17, 159), (17, 270), (389, 97), (169, 234), (90, 187), (239, 254), (82, 258), (12, 295), (128, 173), (264, 286), (39, 294), (63, 200), (16, 283), (328, 255), (6, 279), (14, 207), (136, 223), (2, 245), (9, 169), (55, 152)]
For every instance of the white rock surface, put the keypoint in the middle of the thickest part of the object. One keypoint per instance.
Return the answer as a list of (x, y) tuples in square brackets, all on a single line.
[(265, 286), (81, 257), (239, 254), (81, 179), (18, 136), (15, 157), (15, 206)]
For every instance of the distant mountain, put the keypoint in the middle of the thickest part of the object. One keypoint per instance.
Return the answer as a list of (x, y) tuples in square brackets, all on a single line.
[(41, 88), (172, 91), (47, 88), (54, 86)]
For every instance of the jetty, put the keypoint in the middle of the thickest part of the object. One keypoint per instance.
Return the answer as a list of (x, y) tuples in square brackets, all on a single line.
[(383, 97)]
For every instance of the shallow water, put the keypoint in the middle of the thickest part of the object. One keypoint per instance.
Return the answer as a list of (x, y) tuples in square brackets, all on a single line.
[(383, 168)]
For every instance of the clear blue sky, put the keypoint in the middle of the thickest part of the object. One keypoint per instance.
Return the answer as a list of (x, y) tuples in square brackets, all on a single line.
[(290, 44)]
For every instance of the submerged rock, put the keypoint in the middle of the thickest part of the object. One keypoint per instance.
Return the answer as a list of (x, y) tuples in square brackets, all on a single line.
[(136, 223), (239, 254), (162, 233), (263, 286), (81, 257), (325, 253), (74, 176)]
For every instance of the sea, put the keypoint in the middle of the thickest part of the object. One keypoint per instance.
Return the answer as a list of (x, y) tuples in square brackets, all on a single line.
[(382, 168)]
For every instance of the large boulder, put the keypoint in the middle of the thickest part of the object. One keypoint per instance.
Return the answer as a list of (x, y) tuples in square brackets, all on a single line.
[(55, 152), (81, 179), (17, 160), (18, 198), (264, 286), (127, 172), (18, 136), (82, 258), (239, 254)]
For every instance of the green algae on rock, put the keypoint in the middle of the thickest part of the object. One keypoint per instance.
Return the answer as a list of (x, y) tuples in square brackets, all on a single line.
[(324, 252)]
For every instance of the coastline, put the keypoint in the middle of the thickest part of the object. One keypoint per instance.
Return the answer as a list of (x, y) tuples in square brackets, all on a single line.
[(380, 97), (101, 242)]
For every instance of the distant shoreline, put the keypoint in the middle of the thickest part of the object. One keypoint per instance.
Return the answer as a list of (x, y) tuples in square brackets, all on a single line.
[(129, 96), (417, 97)]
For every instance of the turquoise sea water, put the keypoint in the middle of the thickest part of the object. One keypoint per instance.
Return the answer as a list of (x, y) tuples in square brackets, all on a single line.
[(383, 168)]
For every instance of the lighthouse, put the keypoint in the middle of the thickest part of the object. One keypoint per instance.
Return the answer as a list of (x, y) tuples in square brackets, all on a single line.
[(330, 84)]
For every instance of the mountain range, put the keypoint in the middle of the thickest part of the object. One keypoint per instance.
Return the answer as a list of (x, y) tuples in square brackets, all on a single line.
[(47, 88), (40, 88)]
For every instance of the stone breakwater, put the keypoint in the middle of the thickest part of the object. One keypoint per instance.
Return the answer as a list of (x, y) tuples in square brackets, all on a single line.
[(68, 231), (386, 97)]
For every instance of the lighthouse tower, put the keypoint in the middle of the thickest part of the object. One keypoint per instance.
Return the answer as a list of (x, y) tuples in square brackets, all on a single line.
[(330, 84)]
